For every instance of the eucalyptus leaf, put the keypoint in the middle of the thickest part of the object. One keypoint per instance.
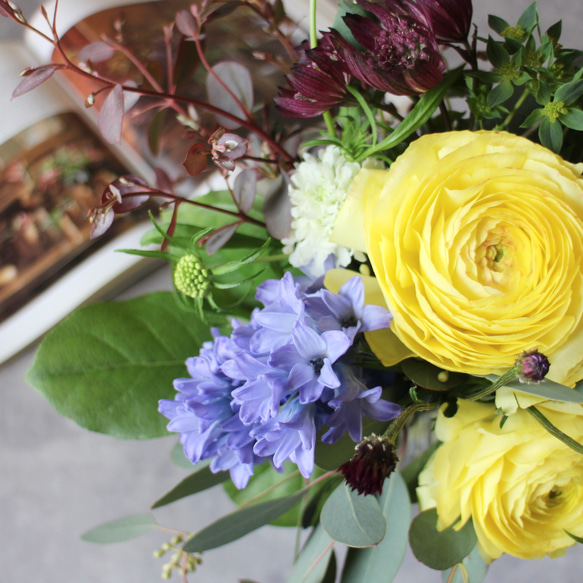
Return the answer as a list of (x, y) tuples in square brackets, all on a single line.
[(120, 530), (546, 388), (266, 483), (107, 365), (440, 549), (312, 562), (239, 523), (178, 458), (353, 520), (476, 569), (198, 481), (381, 563)]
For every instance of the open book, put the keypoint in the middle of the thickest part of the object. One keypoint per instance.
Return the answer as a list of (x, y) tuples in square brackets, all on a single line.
[(54, 167)]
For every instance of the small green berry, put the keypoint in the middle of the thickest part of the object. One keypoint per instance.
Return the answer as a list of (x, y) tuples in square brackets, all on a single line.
[(190, 277)]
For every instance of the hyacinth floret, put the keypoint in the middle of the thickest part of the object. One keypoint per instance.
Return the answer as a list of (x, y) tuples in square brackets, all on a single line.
[(264, 393)]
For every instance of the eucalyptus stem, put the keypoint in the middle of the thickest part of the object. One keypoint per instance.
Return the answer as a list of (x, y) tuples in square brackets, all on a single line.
[(554, 431), (506, 378), (392, 433)]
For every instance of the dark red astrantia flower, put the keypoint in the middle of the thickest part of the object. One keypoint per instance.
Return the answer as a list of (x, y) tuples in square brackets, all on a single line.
[(318, 82), (449, 20), (401, 52)]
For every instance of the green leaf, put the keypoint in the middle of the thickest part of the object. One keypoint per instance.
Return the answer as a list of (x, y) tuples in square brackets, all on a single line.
[(497, 24), (546, 388), (476, 569), (419, 115), (534, 117), (345, 8), (239, 523), (529, 18), (314, 505), (425, 375), (496, 53), (107, 365), (353, 520), (551, 135), (198, 481), (411, 472), (178, 458), (330, 457), (266, 483), (575, 538), (573, 119), (381, 563), (570, 92), (500, 94), (440, 549), (120, 530), (312, 562), (555, 30)]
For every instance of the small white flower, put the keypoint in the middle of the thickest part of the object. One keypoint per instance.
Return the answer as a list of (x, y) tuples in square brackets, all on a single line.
[(319, 187)]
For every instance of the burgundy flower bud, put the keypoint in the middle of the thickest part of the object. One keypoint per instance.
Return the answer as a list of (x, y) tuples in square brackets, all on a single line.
[(374, 461), (449, 20), (532, 367)]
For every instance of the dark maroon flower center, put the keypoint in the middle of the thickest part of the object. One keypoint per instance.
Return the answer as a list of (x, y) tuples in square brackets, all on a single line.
[(400, 46)]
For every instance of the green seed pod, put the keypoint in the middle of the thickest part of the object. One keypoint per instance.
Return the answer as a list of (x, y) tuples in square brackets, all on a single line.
[(191, 277)]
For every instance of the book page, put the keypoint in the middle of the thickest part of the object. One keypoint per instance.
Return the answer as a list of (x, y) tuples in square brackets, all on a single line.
[(53, 171)]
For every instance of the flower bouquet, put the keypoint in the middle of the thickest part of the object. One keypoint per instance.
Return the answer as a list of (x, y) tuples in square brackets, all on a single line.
[(381, 308)]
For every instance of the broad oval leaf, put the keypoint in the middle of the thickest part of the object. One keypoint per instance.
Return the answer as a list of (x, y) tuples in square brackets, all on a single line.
[(32, 78), (96, 52), (107, 365), (381, 563), (198, 481), (353, 520), (238, 79), (475, 567), (239, 523), (440, 549), (244, 189), (120, 530), (110, 117), (312, 562)]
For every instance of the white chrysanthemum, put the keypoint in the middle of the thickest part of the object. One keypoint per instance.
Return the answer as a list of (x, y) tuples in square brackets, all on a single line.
[(319, 187)]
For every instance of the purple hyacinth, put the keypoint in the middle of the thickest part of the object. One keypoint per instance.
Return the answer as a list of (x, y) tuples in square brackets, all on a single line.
[(263, 393)]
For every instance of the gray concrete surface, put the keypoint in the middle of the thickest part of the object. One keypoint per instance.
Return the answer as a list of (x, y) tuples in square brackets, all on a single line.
[(57, 480)]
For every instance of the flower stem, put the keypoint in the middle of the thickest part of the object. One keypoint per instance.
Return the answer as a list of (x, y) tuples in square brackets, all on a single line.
[(392, 433), (554, 431), (506, 378)]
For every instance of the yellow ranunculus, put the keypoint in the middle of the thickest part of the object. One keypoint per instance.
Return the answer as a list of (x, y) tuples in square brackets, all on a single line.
[(476, 239), (521, 486)]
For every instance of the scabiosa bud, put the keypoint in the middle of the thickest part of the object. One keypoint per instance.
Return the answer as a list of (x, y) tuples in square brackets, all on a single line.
[(532, 367), (191, 277), (374, 461)]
